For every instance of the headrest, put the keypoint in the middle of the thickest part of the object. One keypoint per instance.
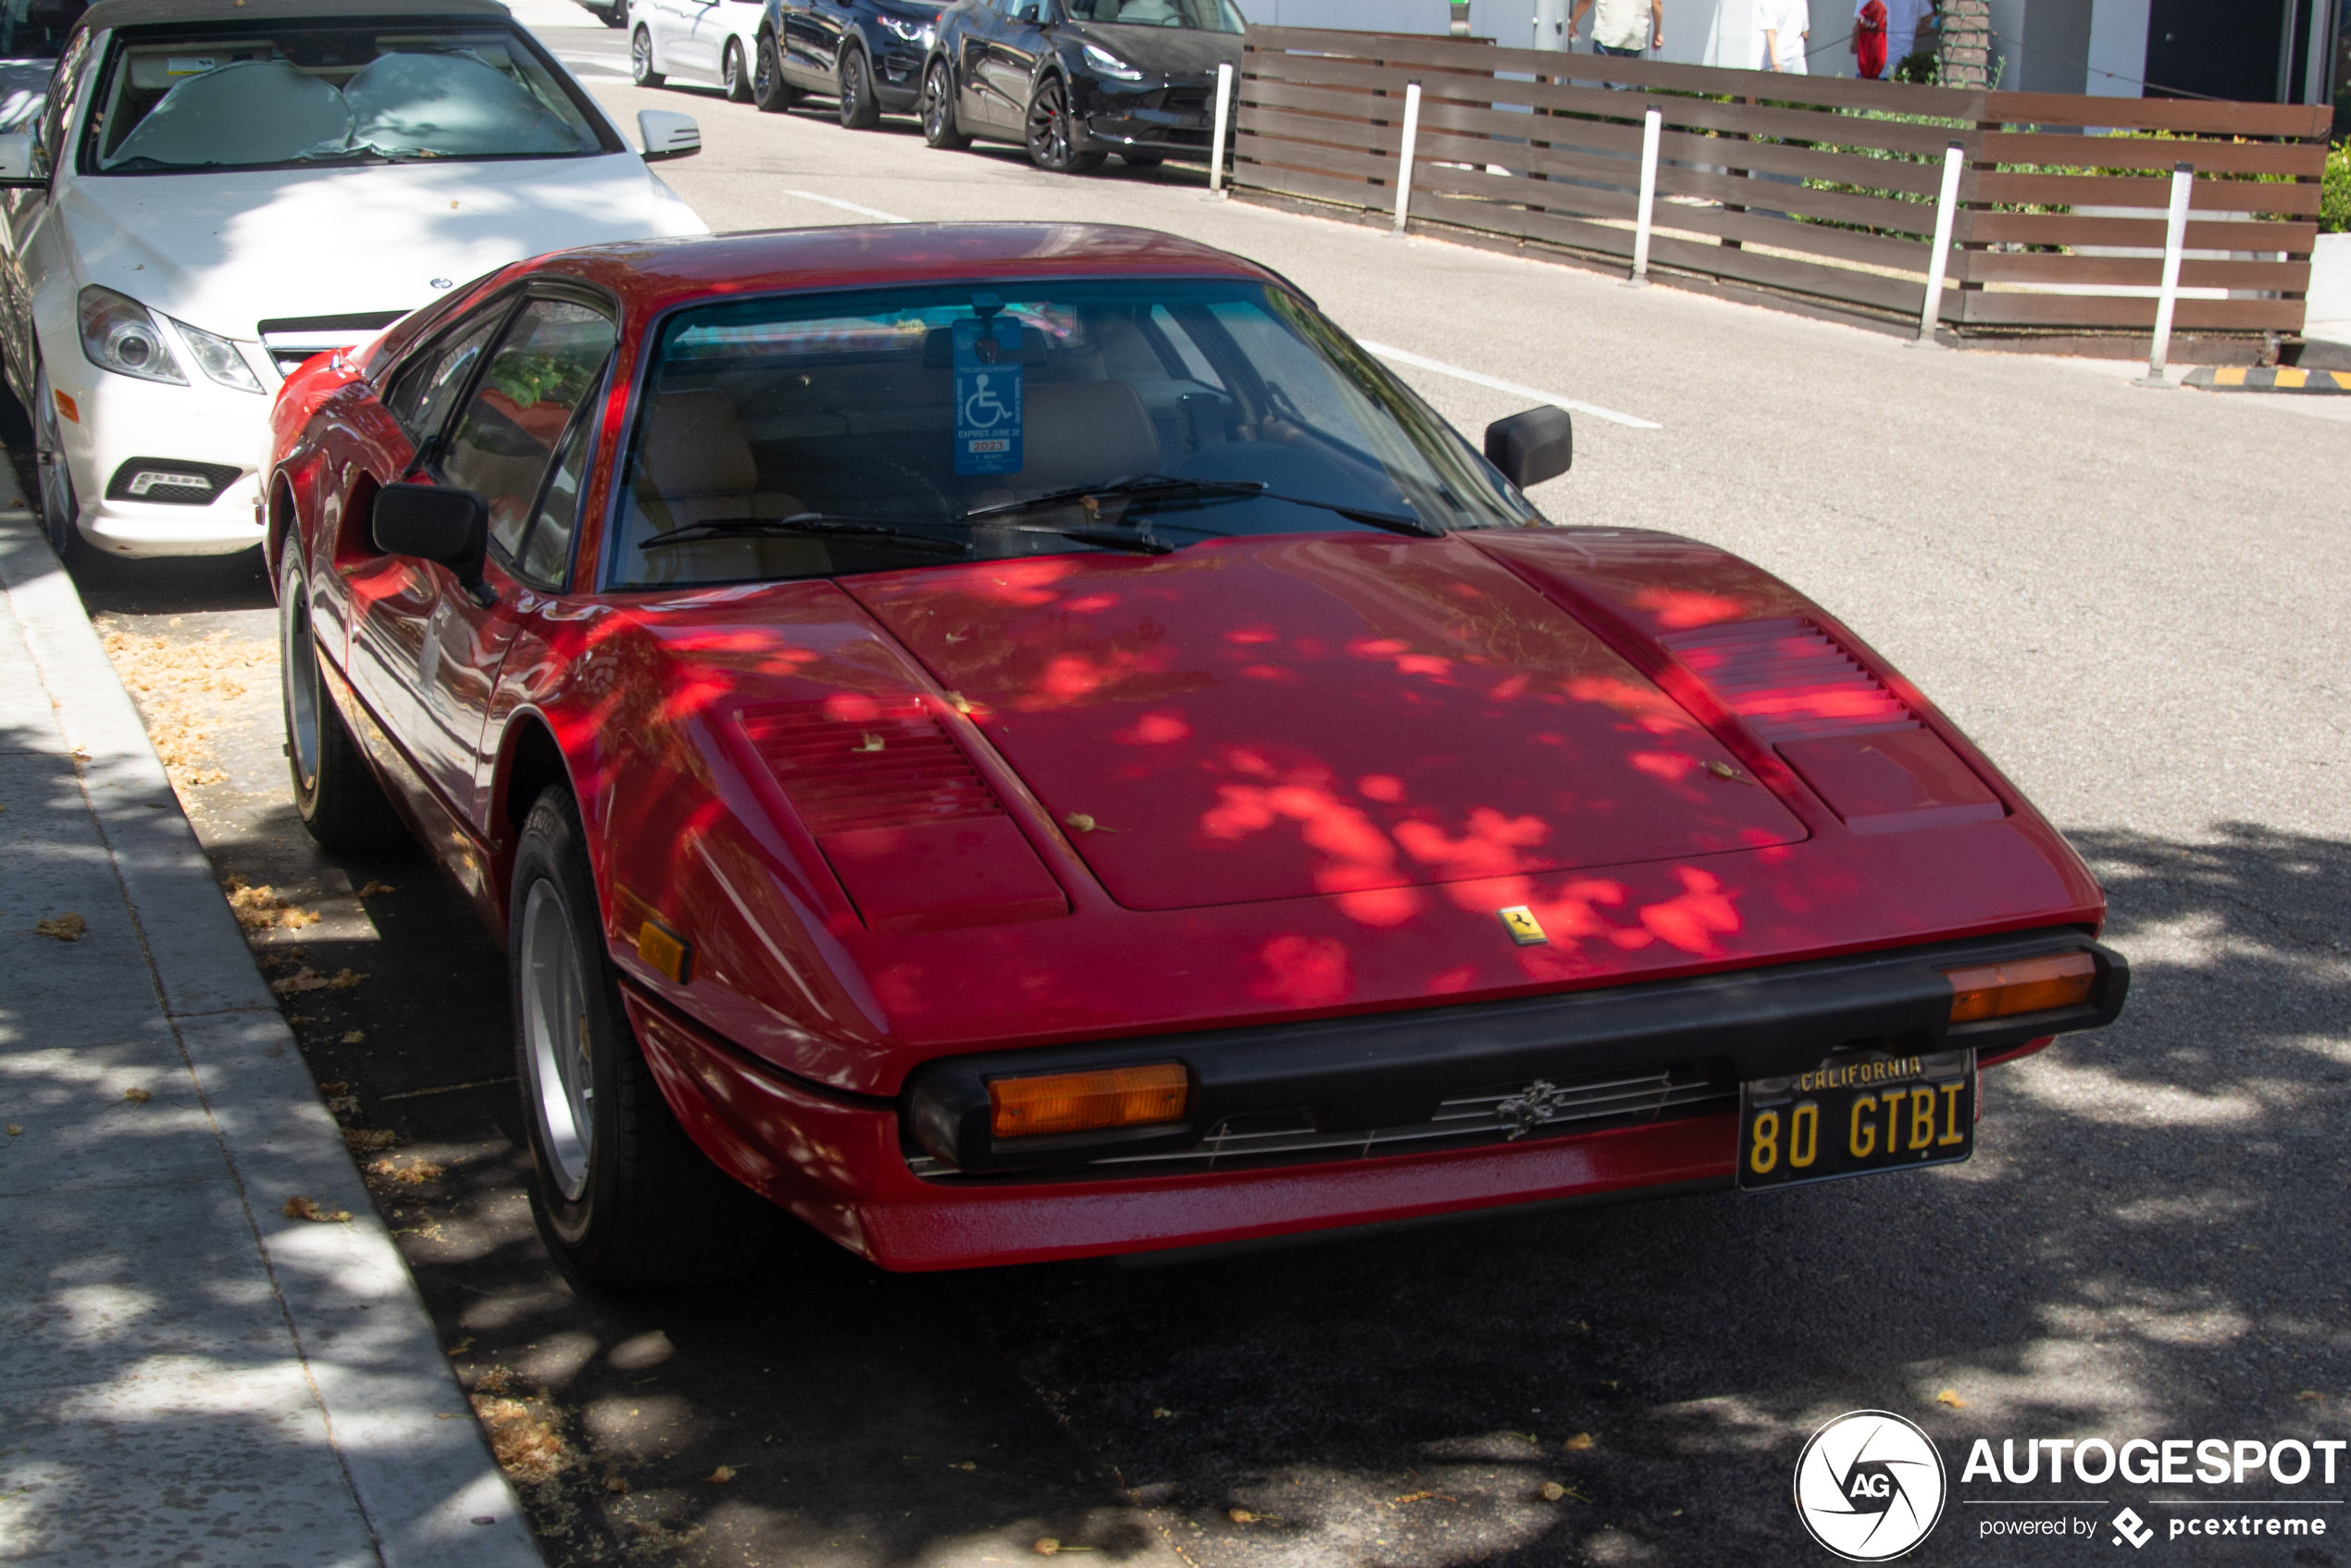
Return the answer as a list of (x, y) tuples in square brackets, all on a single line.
[(1075, 432), (694, 445)]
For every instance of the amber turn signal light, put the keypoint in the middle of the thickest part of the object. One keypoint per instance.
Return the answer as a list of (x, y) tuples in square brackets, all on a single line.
[(2027, 985), (1110, 1097)]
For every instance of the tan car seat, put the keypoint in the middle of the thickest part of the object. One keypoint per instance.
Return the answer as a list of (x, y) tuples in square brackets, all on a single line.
[(698, 468)]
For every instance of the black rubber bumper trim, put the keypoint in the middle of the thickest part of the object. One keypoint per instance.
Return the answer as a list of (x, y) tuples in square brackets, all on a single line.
[(1392, 1069)]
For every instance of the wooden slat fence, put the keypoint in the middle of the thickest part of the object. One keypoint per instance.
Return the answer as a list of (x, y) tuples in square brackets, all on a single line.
[(1810, 186)]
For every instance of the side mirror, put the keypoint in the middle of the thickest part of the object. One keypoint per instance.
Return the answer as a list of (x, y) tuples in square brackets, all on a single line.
[(667, 134), (1531, 447), (433, 523), (16, 163)]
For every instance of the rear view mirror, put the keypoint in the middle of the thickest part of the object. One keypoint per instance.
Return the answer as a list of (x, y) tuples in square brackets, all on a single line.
[(15, 162), (433, 523), (667, 134), (1531, 447)]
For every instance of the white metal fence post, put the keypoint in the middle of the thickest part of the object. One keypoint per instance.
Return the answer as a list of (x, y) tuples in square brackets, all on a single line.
[(1224, 123), (1652, 128), (2175, 235), (1404, 163), (1946, 211)]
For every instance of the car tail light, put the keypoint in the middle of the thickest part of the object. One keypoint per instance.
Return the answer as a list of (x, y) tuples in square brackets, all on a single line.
[(2025, 985), (1108, 1097)]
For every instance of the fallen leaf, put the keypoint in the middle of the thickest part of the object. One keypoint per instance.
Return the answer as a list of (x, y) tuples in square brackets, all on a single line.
[(1579, 1442), (494, 1381), (2308, 1396), (368, 1140), (1553, 1491), (1950, 1396), (1160, 1412), (414, 1174), (354, 1037), (962, 1464), (1240, 1517), (65, 928), (1411, 1497), (302, 1208), (1080, 821), (260, 908), (872, 742), (308, 980), (374, 887), (137, 1096), (617, 1485), (462, 1346), (525, 1444), (1046, 1546), (721, 1476), (16, 1129), (339, 1087)]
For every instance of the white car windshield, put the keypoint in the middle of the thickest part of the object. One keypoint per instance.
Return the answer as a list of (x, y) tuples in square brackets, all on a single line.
[(329, 94)]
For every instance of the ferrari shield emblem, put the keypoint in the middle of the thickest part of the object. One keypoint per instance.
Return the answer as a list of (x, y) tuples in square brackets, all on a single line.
[(1524, 929)]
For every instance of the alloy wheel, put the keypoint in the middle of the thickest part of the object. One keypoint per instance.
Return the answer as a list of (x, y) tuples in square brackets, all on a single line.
[(556, 1039), (939, 109), (298, 659), (857, 106), (60, 508), (731, 75), (640, 60), (1051, 143)]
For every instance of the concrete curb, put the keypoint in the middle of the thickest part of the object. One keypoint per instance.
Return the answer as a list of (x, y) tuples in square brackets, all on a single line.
[(2283, 379), (401, 1428)]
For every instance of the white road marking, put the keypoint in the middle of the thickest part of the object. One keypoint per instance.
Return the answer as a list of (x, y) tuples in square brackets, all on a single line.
[(849, 206), (1403, 356), (584, 62)]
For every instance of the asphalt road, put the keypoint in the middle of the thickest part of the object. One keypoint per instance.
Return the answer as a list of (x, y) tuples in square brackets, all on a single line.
[(2131, 599)]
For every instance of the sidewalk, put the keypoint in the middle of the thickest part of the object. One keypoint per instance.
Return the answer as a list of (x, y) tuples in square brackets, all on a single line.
[(187, 1375)]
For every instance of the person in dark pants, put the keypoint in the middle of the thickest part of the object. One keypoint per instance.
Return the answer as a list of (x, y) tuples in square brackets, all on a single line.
[(1623, 27)]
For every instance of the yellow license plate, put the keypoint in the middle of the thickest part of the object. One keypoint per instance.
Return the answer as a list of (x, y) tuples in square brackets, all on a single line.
[(1858, 1113)]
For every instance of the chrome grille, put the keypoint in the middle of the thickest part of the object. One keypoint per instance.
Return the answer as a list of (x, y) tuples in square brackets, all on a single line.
[(1491, 1115)]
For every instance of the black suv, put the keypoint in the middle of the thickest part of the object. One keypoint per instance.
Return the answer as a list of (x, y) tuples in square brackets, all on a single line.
[(1075, 81), (865, 55)]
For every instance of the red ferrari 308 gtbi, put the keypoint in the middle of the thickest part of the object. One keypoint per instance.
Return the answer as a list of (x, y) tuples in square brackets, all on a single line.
[(1014, 743)]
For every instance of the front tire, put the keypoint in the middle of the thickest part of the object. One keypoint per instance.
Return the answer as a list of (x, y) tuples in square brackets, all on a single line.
[(60, 508), (860, 110), (768, 89), (640, 60), (939, 127), (1052, 136), (732, 76), (339, 802), (620, 1192)]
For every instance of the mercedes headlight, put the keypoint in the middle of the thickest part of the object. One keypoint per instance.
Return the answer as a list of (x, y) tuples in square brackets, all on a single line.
[(218, 357), (1110, 65), (119, 334)]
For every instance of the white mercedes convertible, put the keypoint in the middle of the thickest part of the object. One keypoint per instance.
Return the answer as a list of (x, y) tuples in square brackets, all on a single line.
[(217, 189)]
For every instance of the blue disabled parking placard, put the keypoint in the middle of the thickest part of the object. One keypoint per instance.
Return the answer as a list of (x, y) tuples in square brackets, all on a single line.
[(988, 397)]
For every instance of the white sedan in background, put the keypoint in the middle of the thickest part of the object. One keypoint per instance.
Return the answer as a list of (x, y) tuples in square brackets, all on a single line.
[(708, 40), (203, 205)]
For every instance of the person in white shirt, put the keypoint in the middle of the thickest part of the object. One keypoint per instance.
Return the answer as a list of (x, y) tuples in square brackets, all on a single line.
[(1624, 27), (1781, 27), (1903, 19)]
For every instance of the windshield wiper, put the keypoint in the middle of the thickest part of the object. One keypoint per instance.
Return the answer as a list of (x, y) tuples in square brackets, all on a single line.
[(801, 523), (1139, 542), (1166, 487)]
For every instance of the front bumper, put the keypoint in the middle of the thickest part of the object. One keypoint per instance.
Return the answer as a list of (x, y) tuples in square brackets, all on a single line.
[(1170, 120), (1342, 1122), (202, 424)]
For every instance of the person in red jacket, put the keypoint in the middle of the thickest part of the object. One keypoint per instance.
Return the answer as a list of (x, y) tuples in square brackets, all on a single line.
[(1869, 39)]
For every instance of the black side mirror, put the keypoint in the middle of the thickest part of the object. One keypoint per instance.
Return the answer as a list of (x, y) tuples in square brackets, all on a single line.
[(1531, 447), (434, 522)]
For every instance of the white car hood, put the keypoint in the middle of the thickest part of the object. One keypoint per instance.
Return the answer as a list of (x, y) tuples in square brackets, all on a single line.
[(225, 251)]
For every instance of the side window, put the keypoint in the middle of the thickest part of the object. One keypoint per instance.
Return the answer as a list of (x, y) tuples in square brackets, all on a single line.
[(505, 436), (423, 389), (545, 554), (65, 91)]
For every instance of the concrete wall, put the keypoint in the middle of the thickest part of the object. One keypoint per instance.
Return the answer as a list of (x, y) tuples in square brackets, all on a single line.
[(1371, 16)]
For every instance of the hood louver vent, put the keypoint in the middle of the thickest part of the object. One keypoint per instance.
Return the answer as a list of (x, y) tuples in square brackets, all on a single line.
[(1790, 679), (844, 770)]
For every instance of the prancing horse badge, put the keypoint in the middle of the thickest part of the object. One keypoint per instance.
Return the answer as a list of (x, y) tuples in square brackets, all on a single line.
[(1524, 929)]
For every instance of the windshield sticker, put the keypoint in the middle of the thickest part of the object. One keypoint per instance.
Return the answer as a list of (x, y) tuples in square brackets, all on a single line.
[(988, 375), (186, 64)]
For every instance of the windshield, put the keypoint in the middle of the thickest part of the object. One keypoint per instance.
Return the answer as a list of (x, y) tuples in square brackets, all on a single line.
[(329, 95), (1205, 16), (817, 437), (35, 30)]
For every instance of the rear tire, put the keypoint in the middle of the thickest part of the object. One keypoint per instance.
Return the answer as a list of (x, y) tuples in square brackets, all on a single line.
[(640, 60), (342, 806), (732, 76), (860, 110), (60, 508), (768, 89), (1053, 135), (620, 1192), (939, 127)]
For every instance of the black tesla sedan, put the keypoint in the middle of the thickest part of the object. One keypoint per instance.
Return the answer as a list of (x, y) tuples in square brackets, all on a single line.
[(1075, 81), (864, 54)]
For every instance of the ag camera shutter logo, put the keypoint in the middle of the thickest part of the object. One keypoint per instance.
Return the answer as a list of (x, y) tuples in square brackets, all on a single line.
[(1870, 1486)]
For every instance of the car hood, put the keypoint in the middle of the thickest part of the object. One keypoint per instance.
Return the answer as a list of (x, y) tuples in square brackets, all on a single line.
[(225, 251), (1270, 718), (1163, 51)]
